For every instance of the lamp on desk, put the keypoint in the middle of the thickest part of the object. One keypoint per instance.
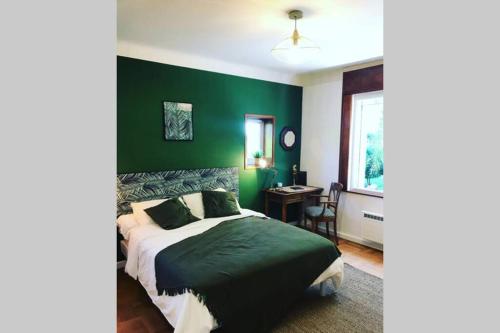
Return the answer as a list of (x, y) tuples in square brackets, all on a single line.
[(294, 173), (273, 173), (262, 163)]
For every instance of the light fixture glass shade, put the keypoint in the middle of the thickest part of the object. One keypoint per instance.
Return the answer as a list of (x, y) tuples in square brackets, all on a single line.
[(296, 51)]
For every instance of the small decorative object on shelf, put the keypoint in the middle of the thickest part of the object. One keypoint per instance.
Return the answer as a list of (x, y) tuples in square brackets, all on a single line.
[(257, 157), (294, 173)]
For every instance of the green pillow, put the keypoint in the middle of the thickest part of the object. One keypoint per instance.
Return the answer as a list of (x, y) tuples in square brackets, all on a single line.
[(219, 204), (171, 214)]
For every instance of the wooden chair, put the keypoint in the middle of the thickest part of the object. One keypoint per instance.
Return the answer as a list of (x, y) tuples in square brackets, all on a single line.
[(325, 211)]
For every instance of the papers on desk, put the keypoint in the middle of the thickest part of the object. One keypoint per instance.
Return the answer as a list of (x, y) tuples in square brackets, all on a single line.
[(296, 189)]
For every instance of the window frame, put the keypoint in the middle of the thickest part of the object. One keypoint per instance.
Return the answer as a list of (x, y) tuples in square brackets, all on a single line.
[(265, 119), (358, 81), (352, 140)]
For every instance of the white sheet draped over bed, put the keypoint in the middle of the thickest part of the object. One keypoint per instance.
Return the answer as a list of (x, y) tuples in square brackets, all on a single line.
[(185, 312)]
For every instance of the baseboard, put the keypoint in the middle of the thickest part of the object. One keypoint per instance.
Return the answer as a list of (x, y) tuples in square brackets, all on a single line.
[(354, 239), (361, 241), (346, 236), (120, 264)]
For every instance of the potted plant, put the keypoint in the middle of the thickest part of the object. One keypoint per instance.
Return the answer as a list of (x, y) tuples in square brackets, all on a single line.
[(257, 156)]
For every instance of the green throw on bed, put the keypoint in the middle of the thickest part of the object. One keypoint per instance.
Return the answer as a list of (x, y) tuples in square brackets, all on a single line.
[(247, 271)]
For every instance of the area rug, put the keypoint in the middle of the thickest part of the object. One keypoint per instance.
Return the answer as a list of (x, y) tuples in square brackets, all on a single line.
[(356, 307)]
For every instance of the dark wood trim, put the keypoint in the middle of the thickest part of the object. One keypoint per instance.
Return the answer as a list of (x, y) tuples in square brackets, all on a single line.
[(259, 116), (345, 134), (363, 80), (355, 82)]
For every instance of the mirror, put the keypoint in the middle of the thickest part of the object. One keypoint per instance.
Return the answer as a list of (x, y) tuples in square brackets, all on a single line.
[(259, 141), (287, 138)]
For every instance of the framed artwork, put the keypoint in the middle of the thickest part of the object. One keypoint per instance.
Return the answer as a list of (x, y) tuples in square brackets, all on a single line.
[(178, 121)]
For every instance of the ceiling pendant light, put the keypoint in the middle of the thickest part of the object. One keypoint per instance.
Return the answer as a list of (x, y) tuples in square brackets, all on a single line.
[(296, 49)]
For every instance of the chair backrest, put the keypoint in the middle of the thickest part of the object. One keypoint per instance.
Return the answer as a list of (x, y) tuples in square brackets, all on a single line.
[(334, 193)]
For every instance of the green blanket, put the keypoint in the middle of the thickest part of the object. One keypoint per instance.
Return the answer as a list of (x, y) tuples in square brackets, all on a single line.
[(247, 271)]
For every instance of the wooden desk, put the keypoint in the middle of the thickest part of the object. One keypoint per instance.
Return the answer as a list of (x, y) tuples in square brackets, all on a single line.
[(286, 198)]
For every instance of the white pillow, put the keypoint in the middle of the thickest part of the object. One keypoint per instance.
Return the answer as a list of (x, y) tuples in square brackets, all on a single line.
[(126, 223), (220, 189), (138, 210), (194, 202)]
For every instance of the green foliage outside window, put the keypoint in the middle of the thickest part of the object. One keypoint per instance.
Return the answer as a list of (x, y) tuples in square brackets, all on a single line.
[(374, 169)]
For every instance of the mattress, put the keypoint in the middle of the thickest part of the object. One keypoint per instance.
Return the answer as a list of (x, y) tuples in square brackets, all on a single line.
[(185, 312)]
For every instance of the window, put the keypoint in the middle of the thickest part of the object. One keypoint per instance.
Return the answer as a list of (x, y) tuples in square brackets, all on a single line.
[(366, 148), (259, 141), (361, 158)]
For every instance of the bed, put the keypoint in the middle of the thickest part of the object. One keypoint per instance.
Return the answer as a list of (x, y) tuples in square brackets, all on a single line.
[(186, 311)]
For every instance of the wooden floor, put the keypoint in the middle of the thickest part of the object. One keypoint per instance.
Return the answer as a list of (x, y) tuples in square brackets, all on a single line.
[(136, 313), (362, 257)]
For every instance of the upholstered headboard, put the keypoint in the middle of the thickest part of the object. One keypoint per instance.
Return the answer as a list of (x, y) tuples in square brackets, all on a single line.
[(133, 187)]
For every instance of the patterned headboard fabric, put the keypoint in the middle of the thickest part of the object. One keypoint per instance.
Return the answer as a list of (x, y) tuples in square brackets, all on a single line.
[(133, 187)]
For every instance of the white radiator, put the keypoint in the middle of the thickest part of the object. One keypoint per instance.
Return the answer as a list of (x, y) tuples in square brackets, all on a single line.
[(372, 227)]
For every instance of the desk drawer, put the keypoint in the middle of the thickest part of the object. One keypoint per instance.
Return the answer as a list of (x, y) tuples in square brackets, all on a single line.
[(299, 197)]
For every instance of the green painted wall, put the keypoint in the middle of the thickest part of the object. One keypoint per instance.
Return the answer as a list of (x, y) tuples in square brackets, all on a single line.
[(219, 105)]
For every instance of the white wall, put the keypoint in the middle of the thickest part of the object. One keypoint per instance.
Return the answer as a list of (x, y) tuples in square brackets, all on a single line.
[(321, 115), (173, 57)]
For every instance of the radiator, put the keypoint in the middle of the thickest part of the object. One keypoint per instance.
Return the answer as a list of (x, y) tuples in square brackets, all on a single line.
[(372, 227)]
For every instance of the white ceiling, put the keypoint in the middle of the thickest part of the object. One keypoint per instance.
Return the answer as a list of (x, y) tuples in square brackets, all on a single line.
[(244, 31)]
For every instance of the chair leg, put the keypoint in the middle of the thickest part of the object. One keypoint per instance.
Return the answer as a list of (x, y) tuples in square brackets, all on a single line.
[(315, 226), (327, 229), (335, 231)]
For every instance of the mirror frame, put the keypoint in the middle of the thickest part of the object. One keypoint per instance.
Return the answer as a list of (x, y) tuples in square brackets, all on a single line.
[(284, 131)]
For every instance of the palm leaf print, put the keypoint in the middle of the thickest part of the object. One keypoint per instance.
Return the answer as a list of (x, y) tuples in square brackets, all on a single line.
[(178, 121), (143, 186)]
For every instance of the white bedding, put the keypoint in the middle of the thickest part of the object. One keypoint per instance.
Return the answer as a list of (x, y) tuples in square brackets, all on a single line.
[(185, 312)]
